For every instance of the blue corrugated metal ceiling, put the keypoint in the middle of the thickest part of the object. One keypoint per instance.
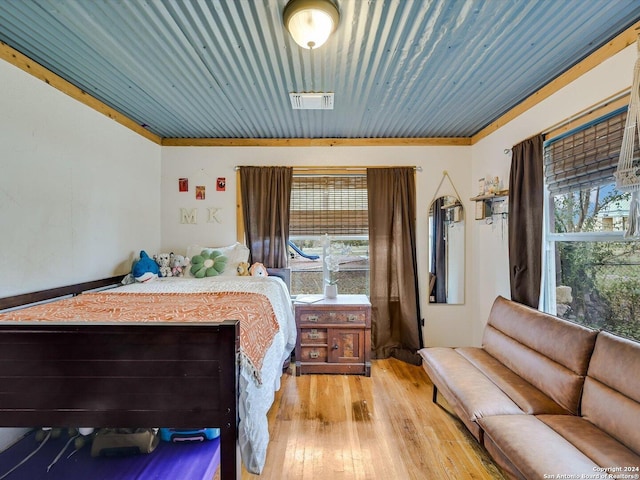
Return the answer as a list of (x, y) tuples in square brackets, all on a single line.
[(399, 68)]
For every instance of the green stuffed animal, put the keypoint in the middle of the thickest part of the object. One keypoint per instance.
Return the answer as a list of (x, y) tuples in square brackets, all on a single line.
[(208, 264)]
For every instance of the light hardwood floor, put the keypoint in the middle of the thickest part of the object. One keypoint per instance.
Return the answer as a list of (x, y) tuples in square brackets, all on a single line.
[(383, 427)]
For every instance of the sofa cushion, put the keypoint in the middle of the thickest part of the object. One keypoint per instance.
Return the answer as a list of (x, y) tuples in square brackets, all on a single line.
[(550, 353), (468, 391), (614, 359), (533, 449), (612, 389), (564, 342), (590, 440), (556, 381), (529, 398)]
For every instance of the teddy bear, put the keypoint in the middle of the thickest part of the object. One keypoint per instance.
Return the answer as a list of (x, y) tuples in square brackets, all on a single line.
[(243, 269), (258, 270), (179, 264), (164, 262)]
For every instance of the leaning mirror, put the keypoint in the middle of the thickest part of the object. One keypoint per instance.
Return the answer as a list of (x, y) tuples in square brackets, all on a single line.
[(446, 251)]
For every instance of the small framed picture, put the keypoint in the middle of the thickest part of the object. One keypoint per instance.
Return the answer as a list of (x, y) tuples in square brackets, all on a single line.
[(183, 184), (221, 184), (200, 192)]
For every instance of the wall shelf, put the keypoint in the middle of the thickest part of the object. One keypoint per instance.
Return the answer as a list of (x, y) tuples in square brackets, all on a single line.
[(484, 203), (491, 196)]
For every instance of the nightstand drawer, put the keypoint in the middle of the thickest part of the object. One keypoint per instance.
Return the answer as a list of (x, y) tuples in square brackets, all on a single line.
[(313, 354), (348, 317), (313, 335)]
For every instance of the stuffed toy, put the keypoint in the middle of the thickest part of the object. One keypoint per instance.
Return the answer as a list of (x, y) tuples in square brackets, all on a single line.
[(145, 269), (258, 270), (179, 264), (164, 262), (208, 264), (243, 269)]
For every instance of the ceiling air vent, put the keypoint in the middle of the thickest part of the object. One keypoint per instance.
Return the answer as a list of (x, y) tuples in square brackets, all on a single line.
[(311, 101)]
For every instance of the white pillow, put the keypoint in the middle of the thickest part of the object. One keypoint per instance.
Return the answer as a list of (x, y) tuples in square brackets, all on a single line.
[(235, 254)]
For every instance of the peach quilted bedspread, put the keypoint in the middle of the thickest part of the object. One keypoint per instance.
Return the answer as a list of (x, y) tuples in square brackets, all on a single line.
[(258, 322)]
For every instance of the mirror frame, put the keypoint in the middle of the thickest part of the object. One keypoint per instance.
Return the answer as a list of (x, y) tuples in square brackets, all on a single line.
[(453, 246)]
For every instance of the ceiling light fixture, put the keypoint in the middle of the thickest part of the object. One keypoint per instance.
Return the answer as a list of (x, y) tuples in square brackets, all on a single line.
[(310, 22)]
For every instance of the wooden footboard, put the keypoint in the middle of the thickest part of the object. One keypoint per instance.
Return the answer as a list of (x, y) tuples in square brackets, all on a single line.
[(89, 375)]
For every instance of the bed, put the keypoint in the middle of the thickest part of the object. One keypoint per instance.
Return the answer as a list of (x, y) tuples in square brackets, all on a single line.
[(149, 355)]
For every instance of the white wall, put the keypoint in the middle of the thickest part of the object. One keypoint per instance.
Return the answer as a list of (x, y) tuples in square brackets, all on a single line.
[(445, 325), (79, 193), (489, 248)]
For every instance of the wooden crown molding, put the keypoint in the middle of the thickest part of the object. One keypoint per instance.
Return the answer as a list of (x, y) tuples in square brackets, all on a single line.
[(315, 142)]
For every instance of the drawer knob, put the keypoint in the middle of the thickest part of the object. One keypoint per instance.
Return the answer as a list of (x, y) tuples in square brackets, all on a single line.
[(352, 318), (312, 318), (313, 334), (335, 346), (314, 354)]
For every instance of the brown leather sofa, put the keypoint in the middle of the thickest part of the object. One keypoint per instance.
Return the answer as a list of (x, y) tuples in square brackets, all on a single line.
[(545, 396)]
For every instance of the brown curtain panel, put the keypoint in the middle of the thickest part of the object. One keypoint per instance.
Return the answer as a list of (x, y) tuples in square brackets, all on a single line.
[(266, 196), (395, 325), (526, 189)]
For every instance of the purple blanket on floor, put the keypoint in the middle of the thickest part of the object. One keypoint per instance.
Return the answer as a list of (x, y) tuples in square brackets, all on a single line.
[(184, 461)]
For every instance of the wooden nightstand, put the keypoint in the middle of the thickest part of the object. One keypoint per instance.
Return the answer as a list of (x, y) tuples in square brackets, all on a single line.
[(334, 335)]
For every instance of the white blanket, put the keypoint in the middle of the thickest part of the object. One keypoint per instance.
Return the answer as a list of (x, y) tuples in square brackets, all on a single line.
[(255, 400)]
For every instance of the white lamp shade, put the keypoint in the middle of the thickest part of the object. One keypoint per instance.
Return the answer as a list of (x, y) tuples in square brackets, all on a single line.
[(310, 23)]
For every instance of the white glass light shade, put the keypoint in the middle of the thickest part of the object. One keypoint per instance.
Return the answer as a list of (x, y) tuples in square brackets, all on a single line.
[(310, 22)]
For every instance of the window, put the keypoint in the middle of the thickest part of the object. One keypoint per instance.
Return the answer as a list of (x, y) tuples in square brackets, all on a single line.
[(333, 207), (592, 272)]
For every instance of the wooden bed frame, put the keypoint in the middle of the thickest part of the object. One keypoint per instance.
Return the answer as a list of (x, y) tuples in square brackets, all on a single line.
[(108, 375)]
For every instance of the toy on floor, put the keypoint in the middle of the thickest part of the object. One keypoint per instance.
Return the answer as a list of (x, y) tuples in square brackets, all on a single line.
[(188, 434), (115, 442)]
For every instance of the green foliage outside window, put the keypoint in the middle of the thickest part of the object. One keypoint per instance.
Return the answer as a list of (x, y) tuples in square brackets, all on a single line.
[(604, 275)]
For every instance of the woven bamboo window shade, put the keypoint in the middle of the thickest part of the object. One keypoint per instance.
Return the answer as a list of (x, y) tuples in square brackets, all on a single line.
[(332, 204), (587, 156)]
